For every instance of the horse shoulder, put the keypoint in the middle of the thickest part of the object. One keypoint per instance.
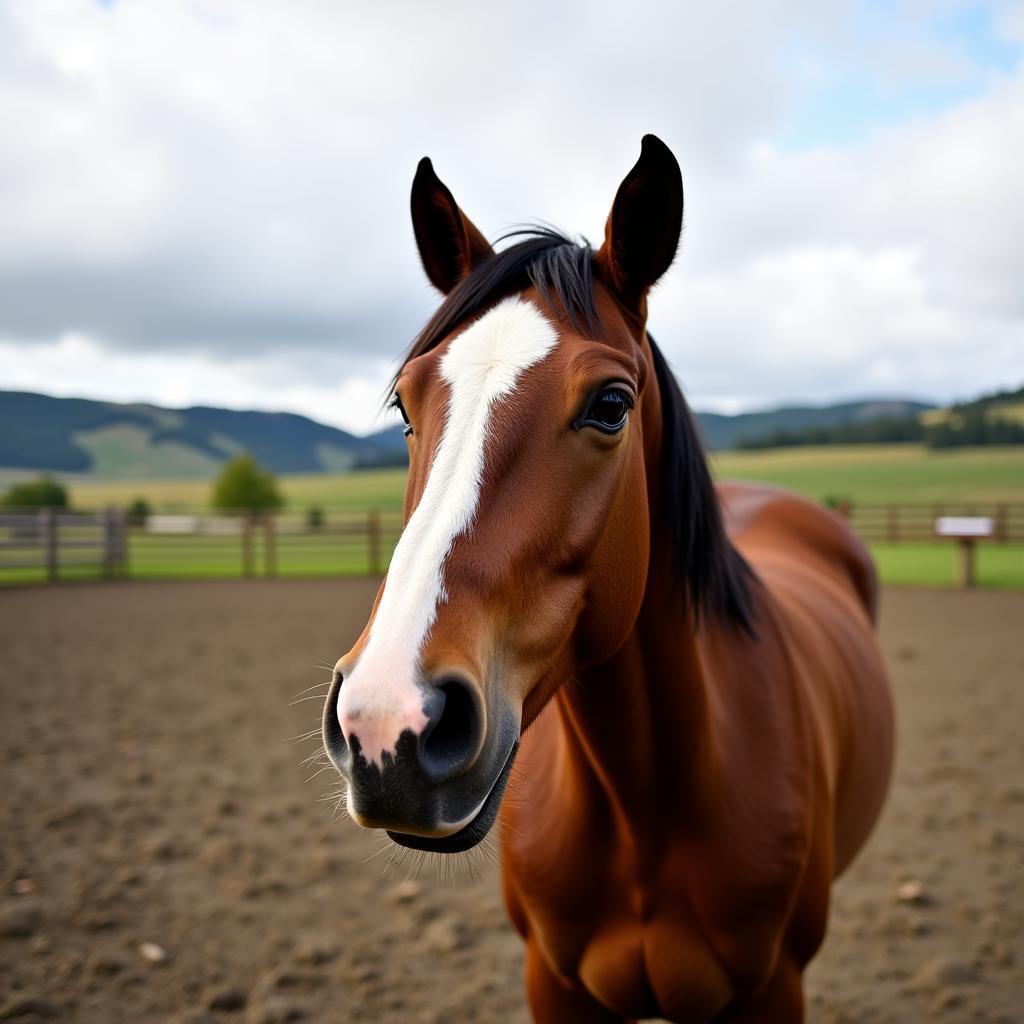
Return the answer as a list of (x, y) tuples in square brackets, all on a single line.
[(819, 595), (757, 871), (770, 524)]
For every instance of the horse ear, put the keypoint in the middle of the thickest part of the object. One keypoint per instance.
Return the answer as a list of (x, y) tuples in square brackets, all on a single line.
[(450, 245), (642, 231)]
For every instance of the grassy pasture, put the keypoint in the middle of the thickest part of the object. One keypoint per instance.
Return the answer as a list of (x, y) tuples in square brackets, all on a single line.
[(932, 564), (212, 557), (885, 474), (362, 491), (865, 474), (157, 557)]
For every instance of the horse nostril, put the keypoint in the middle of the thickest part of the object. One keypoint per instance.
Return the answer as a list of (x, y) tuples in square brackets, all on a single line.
[(334, 739), (450, 742)]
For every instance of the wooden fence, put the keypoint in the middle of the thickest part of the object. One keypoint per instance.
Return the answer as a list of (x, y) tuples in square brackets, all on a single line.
[(47, 541), (55, 544), (901, 524), (335, 542)]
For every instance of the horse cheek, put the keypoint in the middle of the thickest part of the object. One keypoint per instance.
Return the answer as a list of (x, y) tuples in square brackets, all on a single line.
[(617, 578)]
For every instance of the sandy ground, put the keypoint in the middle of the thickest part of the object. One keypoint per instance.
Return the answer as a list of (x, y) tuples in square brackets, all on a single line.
[(162, 857)]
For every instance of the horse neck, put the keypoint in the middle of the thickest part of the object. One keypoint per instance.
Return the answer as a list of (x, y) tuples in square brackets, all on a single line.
[(638, 725)]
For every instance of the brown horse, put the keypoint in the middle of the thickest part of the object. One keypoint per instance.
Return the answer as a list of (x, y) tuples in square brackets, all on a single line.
[(689, 679)]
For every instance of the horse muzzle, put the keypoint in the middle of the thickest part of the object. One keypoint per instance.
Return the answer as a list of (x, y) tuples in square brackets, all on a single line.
[(429, 768)]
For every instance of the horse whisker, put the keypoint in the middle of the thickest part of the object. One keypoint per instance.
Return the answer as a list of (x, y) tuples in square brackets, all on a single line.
[(378, 852), (320, 772), (314, 757), (299, 700), (315, 686), (302, 737)]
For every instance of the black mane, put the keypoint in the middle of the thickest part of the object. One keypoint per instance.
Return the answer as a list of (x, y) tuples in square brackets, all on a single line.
[(715, 574)]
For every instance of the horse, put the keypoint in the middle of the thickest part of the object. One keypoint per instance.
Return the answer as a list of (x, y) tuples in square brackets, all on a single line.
[(689, 677)]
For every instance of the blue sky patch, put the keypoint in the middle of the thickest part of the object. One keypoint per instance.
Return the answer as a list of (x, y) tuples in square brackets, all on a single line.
[(891, 68)]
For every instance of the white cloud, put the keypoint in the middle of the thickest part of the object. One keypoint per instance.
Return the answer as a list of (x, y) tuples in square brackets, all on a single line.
[(214, 196), (348, 393), (891, 265)]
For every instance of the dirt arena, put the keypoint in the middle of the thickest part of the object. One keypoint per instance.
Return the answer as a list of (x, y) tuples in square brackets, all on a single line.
[(162, 857)]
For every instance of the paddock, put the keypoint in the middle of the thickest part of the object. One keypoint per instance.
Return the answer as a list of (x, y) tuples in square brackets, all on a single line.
[(163, 858)]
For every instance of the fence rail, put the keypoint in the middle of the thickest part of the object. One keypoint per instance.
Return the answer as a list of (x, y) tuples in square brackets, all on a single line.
[(36, 541), (51, 544), (54, 544), (898, 524)]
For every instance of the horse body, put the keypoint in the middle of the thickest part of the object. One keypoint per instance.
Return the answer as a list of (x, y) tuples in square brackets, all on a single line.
[(688, 682), (685, 806)]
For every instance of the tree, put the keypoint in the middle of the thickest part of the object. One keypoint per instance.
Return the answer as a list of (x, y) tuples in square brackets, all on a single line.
[(42, 493), (244, 484), (139, 511)]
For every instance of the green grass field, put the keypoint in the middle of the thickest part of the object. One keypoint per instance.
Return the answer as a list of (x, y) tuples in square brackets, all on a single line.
[(864, 475), (932, 564), (368, 489), (184, 557), (913, 564), (885, 474)]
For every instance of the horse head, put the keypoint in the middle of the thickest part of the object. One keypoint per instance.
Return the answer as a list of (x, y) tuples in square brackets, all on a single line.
[(533, 403)]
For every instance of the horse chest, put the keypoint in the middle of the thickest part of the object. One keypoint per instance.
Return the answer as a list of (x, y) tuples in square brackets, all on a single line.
[(638, 951), (668, 970), (701, 931)]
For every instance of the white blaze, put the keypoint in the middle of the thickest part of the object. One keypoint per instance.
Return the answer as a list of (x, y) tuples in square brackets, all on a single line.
[(482, 364)]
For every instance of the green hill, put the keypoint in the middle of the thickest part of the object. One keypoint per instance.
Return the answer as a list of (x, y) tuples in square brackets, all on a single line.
[(722, 433), (114, 441), (74, 435)]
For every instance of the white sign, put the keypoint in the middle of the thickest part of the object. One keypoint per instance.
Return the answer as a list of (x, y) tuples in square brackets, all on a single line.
[(963, 526), (171, 524)]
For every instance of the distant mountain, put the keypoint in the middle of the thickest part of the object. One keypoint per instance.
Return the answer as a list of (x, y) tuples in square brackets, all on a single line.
[(75, 435), (722, 432)]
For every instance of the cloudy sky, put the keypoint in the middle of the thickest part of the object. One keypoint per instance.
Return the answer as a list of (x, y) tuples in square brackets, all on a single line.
[(206, 202)]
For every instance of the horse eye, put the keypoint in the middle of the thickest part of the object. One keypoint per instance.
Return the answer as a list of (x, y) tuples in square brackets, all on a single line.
[(608, 410), (396, 403)]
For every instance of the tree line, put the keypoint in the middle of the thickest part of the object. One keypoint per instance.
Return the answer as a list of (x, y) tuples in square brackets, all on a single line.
[(242, 485), (970, 423)]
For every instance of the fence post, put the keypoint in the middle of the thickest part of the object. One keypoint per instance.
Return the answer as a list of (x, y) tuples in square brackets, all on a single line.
[(965, 562), (269, 545), (894, 524), (1000, 532), (373, 540), (121, 525), (48, 534), (125, 523), (247, 543), (109, 550)]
